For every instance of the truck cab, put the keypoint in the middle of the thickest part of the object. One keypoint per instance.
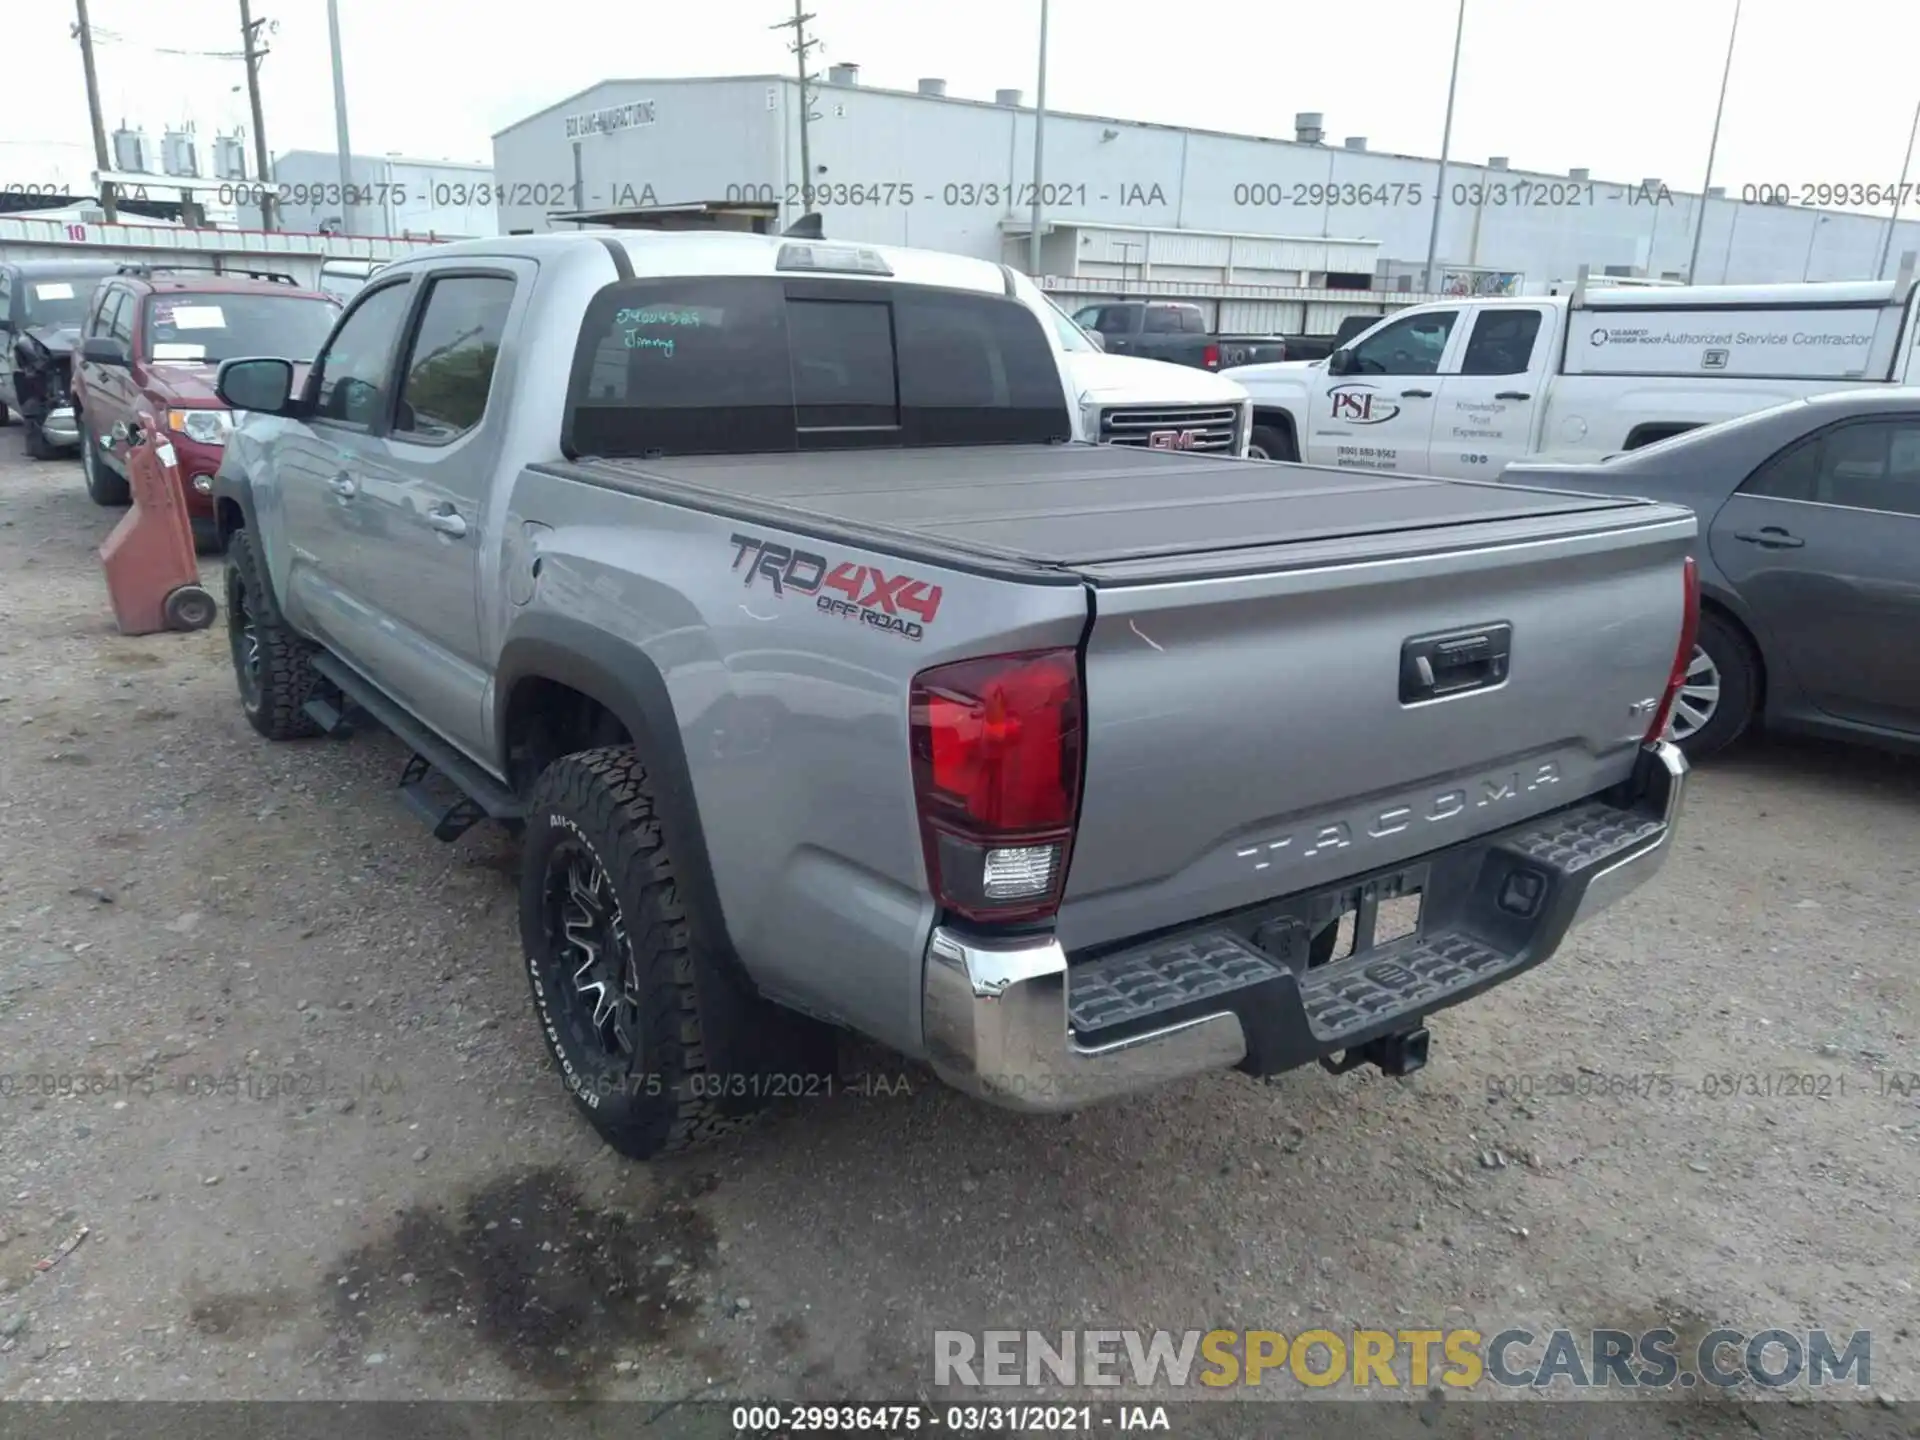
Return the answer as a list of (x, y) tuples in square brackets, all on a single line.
[(1174, 331)]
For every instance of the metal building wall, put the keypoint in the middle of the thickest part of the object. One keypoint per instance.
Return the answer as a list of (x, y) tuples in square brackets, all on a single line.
[(443, 198), (705, 141), (969, 164)]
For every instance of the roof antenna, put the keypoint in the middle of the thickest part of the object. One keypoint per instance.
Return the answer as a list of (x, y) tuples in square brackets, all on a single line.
[(807, 227)]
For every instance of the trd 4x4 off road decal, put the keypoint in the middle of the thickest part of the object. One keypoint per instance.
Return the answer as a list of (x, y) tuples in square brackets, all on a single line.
[(853, 592)]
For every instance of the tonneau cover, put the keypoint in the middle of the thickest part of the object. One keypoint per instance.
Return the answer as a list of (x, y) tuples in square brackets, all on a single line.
[(1074, 506)]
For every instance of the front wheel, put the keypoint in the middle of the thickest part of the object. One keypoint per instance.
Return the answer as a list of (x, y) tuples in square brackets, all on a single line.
[(1270, 442), (272, 666), (1716, 701), (611, 957)]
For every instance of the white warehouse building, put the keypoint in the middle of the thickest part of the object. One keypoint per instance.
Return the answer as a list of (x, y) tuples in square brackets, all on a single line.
[(1260, 226), (391, 195)]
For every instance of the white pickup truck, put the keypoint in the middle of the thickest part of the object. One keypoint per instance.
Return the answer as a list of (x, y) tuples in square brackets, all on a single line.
[(1152, 404), (1461, 389)]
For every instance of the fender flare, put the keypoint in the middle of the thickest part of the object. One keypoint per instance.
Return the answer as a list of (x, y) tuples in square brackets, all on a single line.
[(239, 490), (623, 678)]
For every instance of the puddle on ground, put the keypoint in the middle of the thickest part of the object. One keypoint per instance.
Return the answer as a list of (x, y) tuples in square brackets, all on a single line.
[(555, 1287)]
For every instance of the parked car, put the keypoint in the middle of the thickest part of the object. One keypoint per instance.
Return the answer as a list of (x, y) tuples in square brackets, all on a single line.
[(41, 306), (1809, 566), (153, 340), (1463, 388), (760, 584), (1165, 330)]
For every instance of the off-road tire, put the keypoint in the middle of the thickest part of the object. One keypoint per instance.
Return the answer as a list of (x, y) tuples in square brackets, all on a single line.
[(105, 486), (1733, 656), (667, 1097), (286, 679), (1274, 442)]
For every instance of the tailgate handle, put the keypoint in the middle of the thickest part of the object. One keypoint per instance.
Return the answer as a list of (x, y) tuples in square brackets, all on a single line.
[(1435, 666)]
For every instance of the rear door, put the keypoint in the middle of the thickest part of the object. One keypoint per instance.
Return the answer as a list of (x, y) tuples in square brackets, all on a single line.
[(1491, 392), (110, 388), (1379, 416), (422, 483), (1823, 543)]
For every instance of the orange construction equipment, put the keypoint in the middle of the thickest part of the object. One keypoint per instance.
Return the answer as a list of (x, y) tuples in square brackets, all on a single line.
[(152, 576)]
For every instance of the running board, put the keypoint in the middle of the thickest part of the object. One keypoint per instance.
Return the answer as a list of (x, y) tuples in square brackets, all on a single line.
[(333, 720), (475, 795)]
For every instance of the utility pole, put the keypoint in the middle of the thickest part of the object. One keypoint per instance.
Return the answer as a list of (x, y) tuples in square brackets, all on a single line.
[(340, 120), (1899, 195), (84, 33), (801, 48), (1039, 151), (249, 36), (1446, 145), (1700, 221)]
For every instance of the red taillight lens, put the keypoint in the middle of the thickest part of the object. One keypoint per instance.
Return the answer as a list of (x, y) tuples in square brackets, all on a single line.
[(1682, 657), (996, 768), (1210, 357)]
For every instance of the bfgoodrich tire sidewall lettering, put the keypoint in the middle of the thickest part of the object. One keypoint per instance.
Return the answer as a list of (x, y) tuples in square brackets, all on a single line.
[(538, 949)]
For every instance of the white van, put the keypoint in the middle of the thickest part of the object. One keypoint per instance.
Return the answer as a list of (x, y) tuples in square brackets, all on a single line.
[(1464, 388)]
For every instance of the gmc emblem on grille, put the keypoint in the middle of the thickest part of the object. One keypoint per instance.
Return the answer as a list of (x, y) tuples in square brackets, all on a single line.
[(1173, 439)]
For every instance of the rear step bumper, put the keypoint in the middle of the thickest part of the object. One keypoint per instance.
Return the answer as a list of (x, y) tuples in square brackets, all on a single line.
[(1015, 1024)]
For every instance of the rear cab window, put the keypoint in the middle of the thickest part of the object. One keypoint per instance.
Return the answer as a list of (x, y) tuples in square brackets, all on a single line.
[(751, 364)]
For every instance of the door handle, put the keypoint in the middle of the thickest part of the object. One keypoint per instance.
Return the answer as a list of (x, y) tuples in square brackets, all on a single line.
[(1513, 395), (343, 486), (1416, 394), (1770, 537), (447, 522)]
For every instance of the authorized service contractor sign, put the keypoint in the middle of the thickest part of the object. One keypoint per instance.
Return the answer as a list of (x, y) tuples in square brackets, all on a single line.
[(1838, 344)]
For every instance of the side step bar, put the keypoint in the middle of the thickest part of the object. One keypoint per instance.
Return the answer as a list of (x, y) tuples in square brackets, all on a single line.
[(478, 796)]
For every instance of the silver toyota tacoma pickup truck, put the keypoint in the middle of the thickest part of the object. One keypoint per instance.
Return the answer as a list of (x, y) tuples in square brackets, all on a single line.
[(833, 684)]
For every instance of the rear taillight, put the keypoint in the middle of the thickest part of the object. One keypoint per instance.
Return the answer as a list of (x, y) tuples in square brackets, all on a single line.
[(1682, 657), (1210, 357), (996, 776)]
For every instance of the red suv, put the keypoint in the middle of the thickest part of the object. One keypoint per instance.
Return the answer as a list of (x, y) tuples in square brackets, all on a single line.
[(153, 340)]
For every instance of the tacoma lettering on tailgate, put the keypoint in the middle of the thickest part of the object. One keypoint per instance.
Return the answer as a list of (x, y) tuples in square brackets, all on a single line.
[(1339, 835), (863, 593)]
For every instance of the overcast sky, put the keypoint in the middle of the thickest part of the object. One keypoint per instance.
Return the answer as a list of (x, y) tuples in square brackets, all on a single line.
[(1821, 92)]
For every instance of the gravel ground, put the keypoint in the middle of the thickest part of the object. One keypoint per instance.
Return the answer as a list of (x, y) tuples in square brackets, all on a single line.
[(301, 1108)]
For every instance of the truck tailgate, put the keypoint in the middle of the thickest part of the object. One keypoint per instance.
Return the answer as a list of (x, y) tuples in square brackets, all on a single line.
[(1250, 734)]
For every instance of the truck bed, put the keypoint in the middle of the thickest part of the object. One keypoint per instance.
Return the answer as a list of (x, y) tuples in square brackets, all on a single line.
[(1074, 512)]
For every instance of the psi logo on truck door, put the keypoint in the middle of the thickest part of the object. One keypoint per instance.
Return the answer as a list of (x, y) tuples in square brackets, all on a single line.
[(858, 592), (1361, 405)]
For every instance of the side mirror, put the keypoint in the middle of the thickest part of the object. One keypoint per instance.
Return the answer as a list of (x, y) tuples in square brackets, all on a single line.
[(104, 350), (1099, 340), (264, 385), (1340, 362)]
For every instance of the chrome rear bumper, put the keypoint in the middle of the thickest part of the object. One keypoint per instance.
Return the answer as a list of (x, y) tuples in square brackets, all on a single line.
[(997, 1013)]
